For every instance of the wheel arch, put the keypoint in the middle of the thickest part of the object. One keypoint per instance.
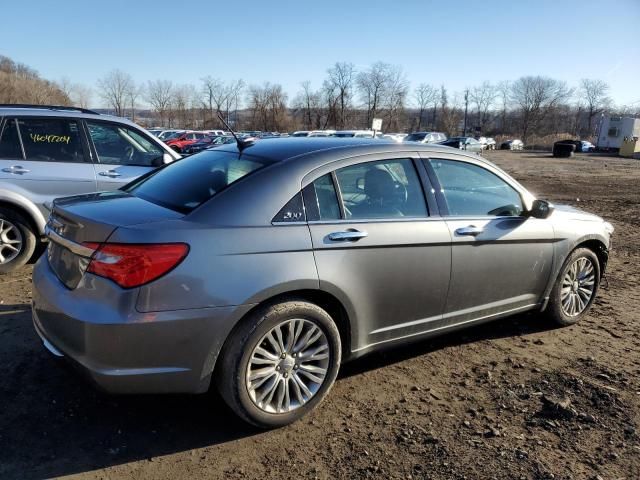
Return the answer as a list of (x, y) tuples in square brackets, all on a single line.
[(321, 298), (30, 213)]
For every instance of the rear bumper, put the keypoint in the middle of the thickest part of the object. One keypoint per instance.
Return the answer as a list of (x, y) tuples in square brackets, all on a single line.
[(97, 327)]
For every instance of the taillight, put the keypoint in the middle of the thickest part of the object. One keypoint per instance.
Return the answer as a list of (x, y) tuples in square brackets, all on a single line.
[(132, 265)]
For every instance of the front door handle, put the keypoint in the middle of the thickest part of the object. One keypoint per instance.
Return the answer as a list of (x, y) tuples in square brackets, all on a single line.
[(471, 230), (110, 174), (347, 236), (16, 169)]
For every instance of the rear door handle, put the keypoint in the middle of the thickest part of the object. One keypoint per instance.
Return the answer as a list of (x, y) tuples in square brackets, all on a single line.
[(347, 236), (110, 174), (471, 230), (16, 169)]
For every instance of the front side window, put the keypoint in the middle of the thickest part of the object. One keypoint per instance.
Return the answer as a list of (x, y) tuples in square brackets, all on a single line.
[(9, 141), (383, 189), (119, 145), (184, 185), (470, 190), (51, 139)]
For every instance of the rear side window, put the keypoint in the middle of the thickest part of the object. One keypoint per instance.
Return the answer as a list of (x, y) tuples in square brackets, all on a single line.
[(383, 189), (187, 183), (9, 141), (51, 139), (326, 200)]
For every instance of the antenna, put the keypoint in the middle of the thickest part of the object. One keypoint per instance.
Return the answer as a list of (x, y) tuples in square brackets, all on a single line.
[(242, 144)]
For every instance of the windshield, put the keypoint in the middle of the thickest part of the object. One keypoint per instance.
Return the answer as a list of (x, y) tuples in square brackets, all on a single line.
[(187, 183)]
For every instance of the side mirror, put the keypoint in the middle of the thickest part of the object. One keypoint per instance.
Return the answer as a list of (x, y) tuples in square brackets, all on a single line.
[(541, 209)]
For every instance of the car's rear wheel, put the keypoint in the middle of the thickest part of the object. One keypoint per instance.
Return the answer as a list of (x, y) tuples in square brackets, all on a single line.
[(280, 363), (575, 288), (17, 240)]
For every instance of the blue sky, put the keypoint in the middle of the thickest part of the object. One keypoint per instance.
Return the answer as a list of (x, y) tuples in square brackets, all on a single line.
[(455, 43)]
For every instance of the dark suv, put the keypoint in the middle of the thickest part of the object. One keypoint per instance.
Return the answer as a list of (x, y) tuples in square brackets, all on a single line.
[(48, 152)]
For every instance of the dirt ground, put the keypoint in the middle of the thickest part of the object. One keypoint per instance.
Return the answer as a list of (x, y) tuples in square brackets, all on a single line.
[(514, 399)]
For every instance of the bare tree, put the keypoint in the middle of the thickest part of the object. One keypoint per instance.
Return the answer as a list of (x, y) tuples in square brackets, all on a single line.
[(483, 98), (396, 92), (159, 94), (504, 93), (594, 95), (373, 85), (535, 98), (115, 88), (21, 84), (268, 104), (425, 95), (341, 81)]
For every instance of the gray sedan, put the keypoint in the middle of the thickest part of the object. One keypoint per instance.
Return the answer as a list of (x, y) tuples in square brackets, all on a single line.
[(261, 268)]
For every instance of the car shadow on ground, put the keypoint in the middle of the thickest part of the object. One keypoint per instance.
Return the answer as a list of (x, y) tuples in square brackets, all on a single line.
[(53, 423)]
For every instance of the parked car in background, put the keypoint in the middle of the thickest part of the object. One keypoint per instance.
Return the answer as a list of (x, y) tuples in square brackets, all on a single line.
[(301, 133), (396, 137), (425, 137), (50, 152), (354, 134), (490, 144), (179, 142), (166, 135), (587, 146), (464, 143), (321, 133), (207, 142), (512, 145), (309, 237)]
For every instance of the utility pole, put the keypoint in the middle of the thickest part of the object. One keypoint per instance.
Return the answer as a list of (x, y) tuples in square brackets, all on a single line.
[(466, 105)]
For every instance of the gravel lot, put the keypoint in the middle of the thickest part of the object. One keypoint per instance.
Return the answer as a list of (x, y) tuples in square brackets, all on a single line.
[(508, 400)]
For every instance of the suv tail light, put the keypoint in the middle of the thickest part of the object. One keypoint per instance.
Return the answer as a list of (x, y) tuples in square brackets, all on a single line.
[(132, 265)]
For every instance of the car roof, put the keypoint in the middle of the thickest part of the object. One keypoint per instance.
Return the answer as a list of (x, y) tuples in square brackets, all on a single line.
[(288, 148), (52, 112)]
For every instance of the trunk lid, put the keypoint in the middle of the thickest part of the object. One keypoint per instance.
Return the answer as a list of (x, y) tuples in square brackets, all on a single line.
[(92, 218)]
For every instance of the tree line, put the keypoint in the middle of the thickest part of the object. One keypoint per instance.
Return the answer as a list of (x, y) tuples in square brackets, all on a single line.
[(530, 107)]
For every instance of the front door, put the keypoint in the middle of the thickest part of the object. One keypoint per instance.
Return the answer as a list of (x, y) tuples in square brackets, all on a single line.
[(123, 154), (378, 250), (501, 259)]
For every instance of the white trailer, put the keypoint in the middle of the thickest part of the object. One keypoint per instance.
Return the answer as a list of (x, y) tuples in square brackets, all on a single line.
[(614, 129)]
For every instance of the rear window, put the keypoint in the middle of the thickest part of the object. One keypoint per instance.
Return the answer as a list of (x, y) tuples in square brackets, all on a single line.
[(187, 183)]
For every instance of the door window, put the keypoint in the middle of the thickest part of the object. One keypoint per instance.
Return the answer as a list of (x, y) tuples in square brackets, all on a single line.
[(470, 190), (119, 145), (326, 200), (51, 139), (9, 141), (383, 189)]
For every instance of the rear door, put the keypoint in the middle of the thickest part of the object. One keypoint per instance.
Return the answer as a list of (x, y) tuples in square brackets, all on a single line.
[(45, 158), (377, 248), (501, 259), (122, 153)]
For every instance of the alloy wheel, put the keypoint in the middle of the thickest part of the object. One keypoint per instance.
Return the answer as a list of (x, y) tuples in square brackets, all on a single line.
[(288, 366), (10, 241), (578, 286)]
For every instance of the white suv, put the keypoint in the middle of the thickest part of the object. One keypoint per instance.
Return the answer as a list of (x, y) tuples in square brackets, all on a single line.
[(48, 152)]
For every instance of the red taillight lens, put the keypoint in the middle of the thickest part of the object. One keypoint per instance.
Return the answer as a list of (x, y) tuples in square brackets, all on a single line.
[(133, 265)]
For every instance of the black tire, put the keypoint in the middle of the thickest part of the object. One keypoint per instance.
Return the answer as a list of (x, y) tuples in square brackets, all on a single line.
[(555, 311), (28, 239), (235, 356)]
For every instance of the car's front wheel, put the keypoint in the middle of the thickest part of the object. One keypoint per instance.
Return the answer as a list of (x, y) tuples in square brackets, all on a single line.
[(280, 363), (17, 240), (575, 288)]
